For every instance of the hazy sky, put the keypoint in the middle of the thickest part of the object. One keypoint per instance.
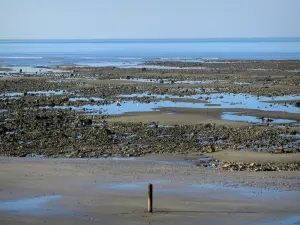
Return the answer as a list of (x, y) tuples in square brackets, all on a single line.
[(149, 18)]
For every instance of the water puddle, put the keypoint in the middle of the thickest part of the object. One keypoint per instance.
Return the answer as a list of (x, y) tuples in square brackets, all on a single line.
[(292, 136), (172, 67), (201, 90), (119, 64), (33, 206), (229, 100), (289, 221), (47, 93), (166, 162), (167, 81), (181, 162), (133, 106), (293, 71), (33, 70), (130, 135), (207, 189), (250, 192), (12, 94), (165, 126), (32, 155), (134, 185), (261, 69), (233, 116), (154, 124), (39, 93), (200, 82), (135, 65), (215, 100), (83, 99), (242, 83), (98, 124), (292, 180)]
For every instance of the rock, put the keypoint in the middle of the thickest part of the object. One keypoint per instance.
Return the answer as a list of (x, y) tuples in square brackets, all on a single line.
[(279, 151), (211, 149), (226, 165)]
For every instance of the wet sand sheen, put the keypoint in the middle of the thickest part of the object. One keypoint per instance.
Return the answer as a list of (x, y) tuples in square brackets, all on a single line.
[(30, 206), (96, 193)]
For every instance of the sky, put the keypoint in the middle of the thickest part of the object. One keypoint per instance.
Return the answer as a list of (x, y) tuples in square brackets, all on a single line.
[(60, 19)]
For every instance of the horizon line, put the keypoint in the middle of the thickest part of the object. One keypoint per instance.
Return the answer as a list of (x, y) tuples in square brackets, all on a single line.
[(165, 38)]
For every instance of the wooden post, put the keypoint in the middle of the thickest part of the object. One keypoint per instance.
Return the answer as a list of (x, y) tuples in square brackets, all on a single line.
[(150, 198)]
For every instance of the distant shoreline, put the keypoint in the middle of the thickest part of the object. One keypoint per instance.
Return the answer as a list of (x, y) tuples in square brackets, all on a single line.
[(155, 40)]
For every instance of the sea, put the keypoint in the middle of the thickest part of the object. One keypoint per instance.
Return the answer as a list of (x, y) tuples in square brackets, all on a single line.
[(128, 53)]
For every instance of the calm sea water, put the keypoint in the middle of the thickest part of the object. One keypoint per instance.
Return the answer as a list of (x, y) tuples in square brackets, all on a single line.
[(128, 53)]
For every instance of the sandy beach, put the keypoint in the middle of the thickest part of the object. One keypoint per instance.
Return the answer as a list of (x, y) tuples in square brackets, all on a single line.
[(110, 191), (80, 145), (102, 100)]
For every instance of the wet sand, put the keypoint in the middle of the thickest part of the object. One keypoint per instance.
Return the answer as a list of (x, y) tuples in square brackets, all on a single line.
[(177, 116), (114, 192), (190, 116), (249, 157)]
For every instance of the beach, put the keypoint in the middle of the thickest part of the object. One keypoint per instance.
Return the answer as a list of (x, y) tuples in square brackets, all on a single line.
[(218, 137), (61, 191)]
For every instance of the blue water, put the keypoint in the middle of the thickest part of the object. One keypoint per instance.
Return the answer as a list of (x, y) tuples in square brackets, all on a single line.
[(293, 220), (32, 206), (251, 119), (219, 100), (239, 190), (134, 185), (40, 93), (132, 52)]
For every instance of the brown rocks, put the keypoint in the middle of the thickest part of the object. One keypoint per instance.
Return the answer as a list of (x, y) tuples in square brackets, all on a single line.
[(241, 166)]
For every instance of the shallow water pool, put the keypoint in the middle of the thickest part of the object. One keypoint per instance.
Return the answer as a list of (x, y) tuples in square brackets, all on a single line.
[(33, 206), (233, 116)]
